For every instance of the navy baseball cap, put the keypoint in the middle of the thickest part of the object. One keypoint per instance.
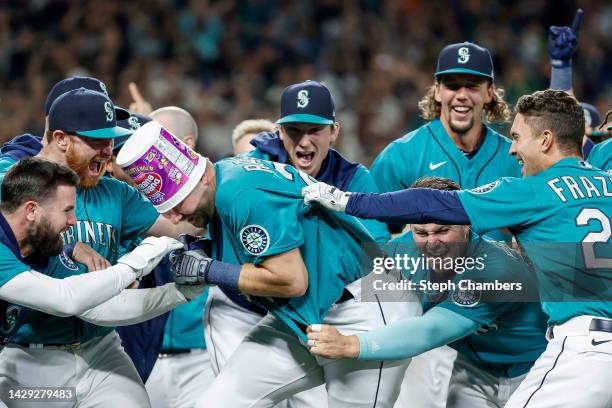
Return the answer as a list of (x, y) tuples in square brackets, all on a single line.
[(307, 102), (592, 117), (132, 123), (86, 113), (465, 58), (76, 82)]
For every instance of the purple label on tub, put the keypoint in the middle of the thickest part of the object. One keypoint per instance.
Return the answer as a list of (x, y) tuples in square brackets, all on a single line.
[(164, 169)]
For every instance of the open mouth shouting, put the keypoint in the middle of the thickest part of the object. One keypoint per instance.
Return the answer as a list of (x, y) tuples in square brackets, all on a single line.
[(305, 159)]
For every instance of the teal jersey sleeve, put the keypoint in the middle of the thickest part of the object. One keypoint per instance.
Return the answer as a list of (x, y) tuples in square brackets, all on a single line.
[(138, 212), (495, 205), (184, 329), (601, 155), (10, 266), (410, 337), (363, 182)]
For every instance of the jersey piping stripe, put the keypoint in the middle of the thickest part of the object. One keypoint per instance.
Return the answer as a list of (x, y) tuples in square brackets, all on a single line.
[(447, 155), (486, 163), (210, 333), (382, 314), (548, 372)]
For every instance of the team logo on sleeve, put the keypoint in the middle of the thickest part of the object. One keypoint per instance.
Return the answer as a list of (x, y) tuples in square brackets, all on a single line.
[(255, 239), (67, 262), (486, 188), (468, 297)]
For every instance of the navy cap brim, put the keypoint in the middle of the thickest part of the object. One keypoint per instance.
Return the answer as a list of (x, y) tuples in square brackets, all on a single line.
[(462, 71), (121, 114), (105, 133), (305, 118)]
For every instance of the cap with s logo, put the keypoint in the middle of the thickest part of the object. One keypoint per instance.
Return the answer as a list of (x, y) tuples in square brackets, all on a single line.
[(76, 82), (85, 113), (465, 58), (307, 102)]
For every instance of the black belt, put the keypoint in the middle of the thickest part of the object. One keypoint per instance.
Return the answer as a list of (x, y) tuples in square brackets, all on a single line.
[(173, 352), (601, 325), (346, 295), (71, 346)]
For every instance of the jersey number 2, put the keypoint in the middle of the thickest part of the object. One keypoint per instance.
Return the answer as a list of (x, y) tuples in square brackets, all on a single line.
[(591, 261)]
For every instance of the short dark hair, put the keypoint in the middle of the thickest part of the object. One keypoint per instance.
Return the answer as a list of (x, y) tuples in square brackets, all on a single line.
[(437, 183), (33, 179), (556, 111)]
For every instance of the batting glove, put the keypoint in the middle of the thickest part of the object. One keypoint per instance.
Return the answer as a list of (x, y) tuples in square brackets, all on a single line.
[(147, 255), (327, 196), (563, 41), (190, 267)]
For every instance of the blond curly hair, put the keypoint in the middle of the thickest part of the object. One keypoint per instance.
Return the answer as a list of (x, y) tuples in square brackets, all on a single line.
[(496, 111)]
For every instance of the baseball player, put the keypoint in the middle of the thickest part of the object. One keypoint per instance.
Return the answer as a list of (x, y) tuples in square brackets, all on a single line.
[(601, 154), (297, 270), (306, 132), (38, 204), (561, 199), (82, 124), (246, 131), (183, 369), (497, 341), (456, 143)]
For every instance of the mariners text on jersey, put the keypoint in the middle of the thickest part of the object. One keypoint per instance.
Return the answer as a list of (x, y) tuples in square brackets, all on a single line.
[(92, 233)]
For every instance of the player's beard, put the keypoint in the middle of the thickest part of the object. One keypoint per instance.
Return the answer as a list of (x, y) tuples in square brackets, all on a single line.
[(461, 129), (80, 166), (43, 240)]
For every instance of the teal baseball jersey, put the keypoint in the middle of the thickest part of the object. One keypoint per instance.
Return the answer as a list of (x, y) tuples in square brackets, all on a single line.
[(430, 151), (261, 213), (601, 155), (184, 328), (347, 176), (10, 266), (561, 217), (512, 335)]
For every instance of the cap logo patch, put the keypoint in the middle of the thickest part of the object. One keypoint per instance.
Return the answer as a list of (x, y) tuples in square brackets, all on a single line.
[(302, 99), (110, 112), (133, 122), (463, 55), (103, 88)]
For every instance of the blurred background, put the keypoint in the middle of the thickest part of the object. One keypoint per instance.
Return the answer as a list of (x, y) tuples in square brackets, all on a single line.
[(229, 60)]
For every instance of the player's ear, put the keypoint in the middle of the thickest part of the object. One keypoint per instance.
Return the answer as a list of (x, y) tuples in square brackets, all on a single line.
[(490, 92), (335, 131), (61, 139), (546, 140), (31, 209), (436, 90)]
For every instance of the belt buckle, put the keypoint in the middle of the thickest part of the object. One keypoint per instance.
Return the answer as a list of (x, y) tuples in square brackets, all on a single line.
[(72, 346)]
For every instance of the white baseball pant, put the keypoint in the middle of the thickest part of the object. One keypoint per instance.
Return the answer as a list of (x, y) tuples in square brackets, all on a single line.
[(100, 371), (575, 370), (272, 364), (178, 381)]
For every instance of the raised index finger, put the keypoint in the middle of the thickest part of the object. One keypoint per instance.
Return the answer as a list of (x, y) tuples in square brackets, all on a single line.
[(577, 21), (136, 96)]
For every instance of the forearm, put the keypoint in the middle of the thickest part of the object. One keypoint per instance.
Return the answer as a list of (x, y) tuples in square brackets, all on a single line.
[(411, 206), (413, 336), (257, 280), (135, 305), (69, 296)]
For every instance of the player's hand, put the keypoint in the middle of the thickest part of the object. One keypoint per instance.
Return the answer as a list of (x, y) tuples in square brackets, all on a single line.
[(88, 256), (563, 41), (190, 267), (191, 291), (140, 104), (326, 341), (192, 242), (147, 255), (328, 196)]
